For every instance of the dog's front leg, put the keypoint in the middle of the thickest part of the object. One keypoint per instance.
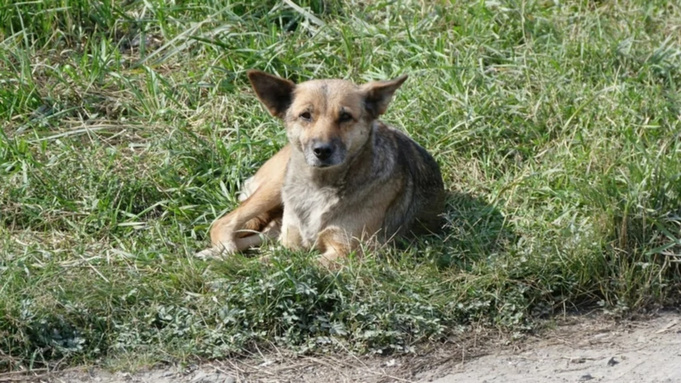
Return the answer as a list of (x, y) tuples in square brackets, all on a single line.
[(335, 244), (260, 210), (227, 234), (290, 236)]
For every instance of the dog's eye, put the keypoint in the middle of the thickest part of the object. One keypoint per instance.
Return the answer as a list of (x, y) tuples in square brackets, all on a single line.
[(306, 116), (345, 117)]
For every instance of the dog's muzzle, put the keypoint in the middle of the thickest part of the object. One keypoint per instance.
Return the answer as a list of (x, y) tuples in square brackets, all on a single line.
[(324, 154), (322, 151)]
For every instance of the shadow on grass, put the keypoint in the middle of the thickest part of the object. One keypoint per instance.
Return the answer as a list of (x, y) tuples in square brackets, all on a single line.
[(474, 230)]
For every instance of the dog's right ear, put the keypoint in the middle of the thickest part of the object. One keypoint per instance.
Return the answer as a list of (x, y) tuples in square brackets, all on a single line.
[(274, 92), (379, 94)]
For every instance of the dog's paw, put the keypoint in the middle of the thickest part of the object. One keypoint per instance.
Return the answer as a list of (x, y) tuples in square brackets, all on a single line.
[(331, 261), (247, 189), (216, 252), (209, 253)]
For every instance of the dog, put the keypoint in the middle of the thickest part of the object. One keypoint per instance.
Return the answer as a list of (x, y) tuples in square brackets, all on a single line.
[(344, 178)]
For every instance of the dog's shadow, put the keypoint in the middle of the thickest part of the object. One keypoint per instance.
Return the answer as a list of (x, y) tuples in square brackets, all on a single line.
[(475, 230)]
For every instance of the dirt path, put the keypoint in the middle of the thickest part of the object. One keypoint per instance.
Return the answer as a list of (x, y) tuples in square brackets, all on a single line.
[(581, 349), (647, 352)]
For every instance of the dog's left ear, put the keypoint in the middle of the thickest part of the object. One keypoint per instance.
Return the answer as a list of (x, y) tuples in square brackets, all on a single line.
[(378, 94), (274, 92)]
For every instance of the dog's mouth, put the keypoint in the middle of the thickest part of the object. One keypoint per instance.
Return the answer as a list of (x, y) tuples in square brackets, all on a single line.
[(322, 164)]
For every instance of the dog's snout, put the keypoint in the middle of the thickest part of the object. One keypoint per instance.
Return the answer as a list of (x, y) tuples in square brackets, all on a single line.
[(322, 150), (322, 153)]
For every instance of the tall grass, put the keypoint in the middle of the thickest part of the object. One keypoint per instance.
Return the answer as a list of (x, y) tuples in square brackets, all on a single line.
[(127, 127)]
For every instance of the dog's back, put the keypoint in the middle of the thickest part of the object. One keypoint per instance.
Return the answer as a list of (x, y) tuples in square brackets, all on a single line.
[(417, 208)]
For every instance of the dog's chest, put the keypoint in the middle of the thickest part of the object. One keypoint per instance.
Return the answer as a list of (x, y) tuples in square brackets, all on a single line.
[(309, 207)]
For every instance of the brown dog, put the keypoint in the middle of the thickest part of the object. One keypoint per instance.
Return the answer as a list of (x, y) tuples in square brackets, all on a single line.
[(344, 178)]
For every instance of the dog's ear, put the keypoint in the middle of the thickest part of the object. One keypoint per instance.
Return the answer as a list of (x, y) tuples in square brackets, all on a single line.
[(378, 94), (274, 92)]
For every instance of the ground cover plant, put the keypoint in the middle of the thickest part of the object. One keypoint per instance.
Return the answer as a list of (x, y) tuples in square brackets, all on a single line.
[(127, 128)]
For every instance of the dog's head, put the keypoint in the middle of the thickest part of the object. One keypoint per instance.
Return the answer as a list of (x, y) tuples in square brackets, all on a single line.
[(327, 120)]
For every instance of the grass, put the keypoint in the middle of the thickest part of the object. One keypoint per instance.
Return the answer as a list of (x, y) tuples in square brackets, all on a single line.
[(127, 128)]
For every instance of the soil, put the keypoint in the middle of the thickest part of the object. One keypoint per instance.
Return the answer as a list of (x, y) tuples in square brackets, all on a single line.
[(576, 349), (589, 351)]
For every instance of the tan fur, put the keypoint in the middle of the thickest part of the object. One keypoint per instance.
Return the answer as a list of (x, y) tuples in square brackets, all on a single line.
[(344, 179), (259, 212)]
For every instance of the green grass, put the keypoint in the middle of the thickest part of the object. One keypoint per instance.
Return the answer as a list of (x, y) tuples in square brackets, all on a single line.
[(127, 127)]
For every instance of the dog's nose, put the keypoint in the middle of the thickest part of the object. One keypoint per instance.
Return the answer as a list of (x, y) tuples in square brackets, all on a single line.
[(322, 151)]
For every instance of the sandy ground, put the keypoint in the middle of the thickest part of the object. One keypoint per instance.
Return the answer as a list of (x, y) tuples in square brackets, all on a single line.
[(579, 349), (647, 352)]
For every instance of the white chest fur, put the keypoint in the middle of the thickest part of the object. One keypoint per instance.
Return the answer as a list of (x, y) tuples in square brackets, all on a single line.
[(308, 209)]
